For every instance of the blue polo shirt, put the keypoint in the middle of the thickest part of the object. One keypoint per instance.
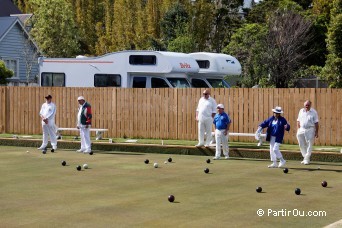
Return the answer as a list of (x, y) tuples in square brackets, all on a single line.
[(221, 121)]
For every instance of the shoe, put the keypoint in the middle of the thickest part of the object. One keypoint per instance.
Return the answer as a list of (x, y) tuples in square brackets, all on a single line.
[(52, 150), (226, 157), (216, 158), (206, 146), (41, 148), (86, 151), (281, 164), (273, 165), (79, 151), (306, 163), (199, 145), (302, 162)]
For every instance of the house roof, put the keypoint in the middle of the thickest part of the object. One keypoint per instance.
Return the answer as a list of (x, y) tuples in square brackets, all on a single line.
[(7, 8), (7, 23)]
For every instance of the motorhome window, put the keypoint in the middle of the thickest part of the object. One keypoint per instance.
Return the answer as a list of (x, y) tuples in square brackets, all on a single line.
[(204, 64), (107, 80), (53, 79), (198, 83), (179, 82), (159, 83), (142, 60), (139, 82), (218, 83)]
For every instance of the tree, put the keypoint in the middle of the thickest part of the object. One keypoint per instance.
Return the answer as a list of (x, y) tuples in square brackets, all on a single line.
[(247, 45), (4, 73), (226, 21), (332, 70), (54, 28), (174, 23), (181, 44), (286, 46), (30, 56)]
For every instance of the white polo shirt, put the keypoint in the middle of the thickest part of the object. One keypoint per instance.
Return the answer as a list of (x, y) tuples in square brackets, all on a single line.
[(205, 108), (48, 110), (307, 119)]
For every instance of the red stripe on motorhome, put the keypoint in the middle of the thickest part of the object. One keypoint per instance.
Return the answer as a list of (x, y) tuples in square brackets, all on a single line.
[(74, 61)]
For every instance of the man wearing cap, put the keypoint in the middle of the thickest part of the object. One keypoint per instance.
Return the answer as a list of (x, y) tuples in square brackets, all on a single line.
[(307, 130), (47, 114), (222, 123), (276, 127), (205, 112), (84, 123)]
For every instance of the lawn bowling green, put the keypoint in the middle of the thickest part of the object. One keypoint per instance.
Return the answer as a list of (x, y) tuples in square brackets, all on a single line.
[(119, 188)]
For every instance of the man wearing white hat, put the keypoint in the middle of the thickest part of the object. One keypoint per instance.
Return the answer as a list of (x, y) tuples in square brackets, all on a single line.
[(205, 112), (84, 117), (276, 127), (222, 123), (307, 130), (47, 114)]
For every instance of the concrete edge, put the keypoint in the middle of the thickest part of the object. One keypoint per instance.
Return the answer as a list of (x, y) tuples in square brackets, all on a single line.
[(102, 147)]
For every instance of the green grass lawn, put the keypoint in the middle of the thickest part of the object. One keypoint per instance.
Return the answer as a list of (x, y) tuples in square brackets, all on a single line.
[(120, 190)]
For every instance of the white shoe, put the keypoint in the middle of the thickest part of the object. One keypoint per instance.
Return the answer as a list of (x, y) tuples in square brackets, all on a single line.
[(281, 164), (226, 157), (273, 165), (302, 162), (216, 158), (206, 145), (79, 151), (86, 151), (306, 163), (41, 148), (199, 145)]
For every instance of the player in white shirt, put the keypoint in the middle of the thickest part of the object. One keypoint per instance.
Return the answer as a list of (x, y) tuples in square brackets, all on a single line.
[(47, 114), (307, 125), (206, 110)]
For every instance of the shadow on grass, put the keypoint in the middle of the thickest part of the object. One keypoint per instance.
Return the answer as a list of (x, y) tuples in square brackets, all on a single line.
[(315, 169), (323, 164), (118, 153)]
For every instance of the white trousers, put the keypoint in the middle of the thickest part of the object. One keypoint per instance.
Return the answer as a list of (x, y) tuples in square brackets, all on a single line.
[(49, 130), (205, 127), (306, 138), (221, 138), (85, 139), (274, 150)]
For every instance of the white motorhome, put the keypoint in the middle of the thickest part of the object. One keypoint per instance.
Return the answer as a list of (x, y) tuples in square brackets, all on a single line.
[(126, 69), (212, 69)]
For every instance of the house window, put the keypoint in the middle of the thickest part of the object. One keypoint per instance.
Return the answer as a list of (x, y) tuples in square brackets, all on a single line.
[(13, 65), (53, 79), (107, 80)]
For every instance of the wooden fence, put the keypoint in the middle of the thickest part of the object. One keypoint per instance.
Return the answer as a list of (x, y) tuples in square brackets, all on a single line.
[(168, 113)]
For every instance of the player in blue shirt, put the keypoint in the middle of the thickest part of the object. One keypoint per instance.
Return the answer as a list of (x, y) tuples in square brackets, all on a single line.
[(276, 127), (222, 123)]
